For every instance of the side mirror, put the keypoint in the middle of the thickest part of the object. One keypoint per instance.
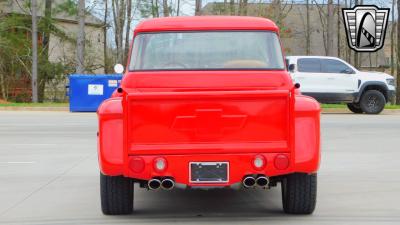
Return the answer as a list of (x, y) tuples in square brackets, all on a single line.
[(347, 71), (291, 67), (118, 68)]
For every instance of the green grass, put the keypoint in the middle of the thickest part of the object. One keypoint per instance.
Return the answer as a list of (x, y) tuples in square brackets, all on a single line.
[(344, 106), (45, 104), (333, 106), (392, 107)]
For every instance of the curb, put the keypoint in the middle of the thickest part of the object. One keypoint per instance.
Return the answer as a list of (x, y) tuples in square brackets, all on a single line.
[(66, 109), (346, 111), (38, 108)]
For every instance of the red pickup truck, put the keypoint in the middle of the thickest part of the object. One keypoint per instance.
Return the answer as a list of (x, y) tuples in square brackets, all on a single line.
[(206, 102)]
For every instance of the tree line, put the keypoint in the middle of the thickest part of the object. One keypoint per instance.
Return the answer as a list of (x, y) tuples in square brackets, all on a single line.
[(328, 10)]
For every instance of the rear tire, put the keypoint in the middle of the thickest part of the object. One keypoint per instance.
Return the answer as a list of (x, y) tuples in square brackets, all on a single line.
[(355, 108), (299, 193), (116, 195), (372, 102)]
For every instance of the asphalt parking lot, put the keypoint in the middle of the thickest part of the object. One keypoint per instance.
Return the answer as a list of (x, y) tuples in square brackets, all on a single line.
[(49, 175)]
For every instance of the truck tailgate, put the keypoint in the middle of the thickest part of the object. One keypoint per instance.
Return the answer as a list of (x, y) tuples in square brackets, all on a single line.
[(207, 122)]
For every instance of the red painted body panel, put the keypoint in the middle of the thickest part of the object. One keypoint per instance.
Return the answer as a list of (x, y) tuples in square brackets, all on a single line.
[(206, 23), (240, 165), (172, 121), (110, 136), (187, 116)]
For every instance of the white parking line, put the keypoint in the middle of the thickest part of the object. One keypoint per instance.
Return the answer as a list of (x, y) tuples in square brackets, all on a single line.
[(37, 144), (18, 162)]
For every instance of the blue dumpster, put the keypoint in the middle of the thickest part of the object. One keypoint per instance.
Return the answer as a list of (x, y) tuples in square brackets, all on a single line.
[(86, 92)]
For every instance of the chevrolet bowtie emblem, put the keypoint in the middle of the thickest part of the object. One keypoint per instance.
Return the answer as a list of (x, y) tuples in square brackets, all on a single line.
[(209, 121), (365, 27)]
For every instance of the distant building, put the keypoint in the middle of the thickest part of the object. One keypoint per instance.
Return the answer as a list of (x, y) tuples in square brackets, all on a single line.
[(62, 50)]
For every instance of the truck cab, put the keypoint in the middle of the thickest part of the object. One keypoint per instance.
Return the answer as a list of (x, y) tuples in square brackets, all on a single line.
[(206, 102)]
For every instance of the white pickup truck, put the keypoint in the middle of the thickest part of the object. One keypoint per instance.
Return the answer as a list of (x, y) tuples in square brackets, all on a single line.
[(332, 80)]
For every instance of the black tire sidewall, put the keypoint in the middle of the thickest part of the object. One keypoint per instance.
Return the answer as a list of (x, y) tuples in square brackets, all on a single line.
[(355, 108), (284, 192), (364, 102), (116, 194), (299, 192)]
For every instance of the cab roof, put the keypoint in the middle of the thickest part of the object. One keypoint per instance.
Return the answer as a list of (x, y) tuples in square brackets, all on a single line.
[(193, 23)]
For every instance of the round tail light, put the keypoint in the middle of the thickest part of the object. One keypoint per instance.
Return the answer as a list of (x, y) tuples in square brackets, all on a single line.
[(160, 164), (281, 162), (137, 164), (259, 162)]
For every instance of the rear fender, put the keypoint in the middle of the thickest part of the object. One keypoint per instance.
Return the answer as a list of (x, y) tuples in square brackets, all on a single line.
[(307, 134), (110, 137)]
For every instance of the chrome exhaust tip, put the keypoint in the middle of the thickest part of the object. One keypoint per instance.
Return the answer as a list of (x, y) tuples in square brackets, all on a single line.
[(262, 181), (154, 184), (249, 182), (167, 184)]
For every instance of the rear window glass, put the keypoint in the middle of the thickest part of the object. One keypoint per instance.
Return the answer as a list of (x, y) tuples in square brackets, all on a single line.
[(207, 50), (309, 65)]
